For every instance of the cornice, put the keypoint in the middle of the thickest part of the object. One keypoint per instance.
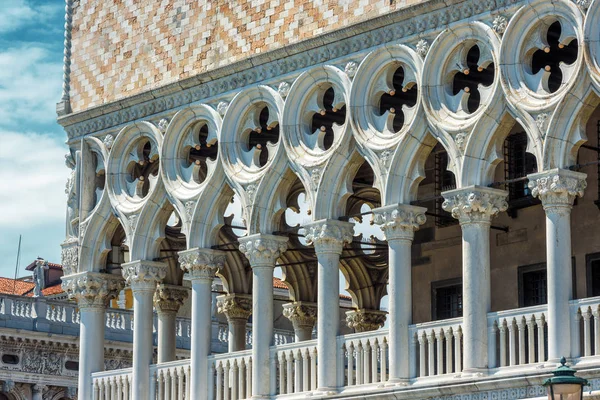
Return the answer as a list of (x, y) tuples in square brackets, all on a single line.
[(409, 23)]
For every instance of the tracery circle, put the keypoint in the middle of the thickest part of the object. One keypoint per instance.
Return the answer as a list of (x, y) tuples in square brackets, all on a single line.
[(540, 53), (251, 131), (315, 114), (190, 150), (591, 31), (385, 97), (132, 170), (460, 72)]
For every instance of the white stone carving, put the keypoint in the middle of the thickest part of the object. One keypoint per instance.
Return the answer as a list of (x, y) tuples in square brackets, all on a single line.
[(500, 23), (422, 47), (144, 275), (283, 89), (92, 289), (235, 306), (222, 107), (350, 69), (108, 141), (263, 250), (365, 320), (399, 221), (168, 298), (70, 256), (329, 236), (475, 204), (201, 263), (557, 187)]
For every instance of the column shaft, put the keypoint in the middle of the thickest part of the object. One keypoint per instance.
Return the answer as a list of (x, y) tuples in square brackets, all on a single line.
[(476, 293), (262, 328), (167, 341), (91, 348), (400, 307), (142, 342), (237, 334), (201, 336)]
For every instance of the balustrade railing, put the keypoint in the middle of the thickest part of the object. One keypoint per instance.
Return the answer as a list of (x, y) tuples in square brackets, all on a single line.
[(112, 385), (231, 376), (586, 326), (171, 380), (364, 358), (518, 336), (440, 347), (280, 337), (294, 367)]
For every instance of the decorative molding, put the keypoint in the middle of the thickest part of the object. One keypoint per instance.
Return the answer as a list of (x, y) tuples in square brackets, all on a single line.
[(263, 250), (431, 16), (168, 298), (475, 204), (557, 188), (365, 320), (235, 306), (400, 221), (92, 289), (303, 315), (143, 275), (64, 106), (329, 236), (69, 256), (201, 264)]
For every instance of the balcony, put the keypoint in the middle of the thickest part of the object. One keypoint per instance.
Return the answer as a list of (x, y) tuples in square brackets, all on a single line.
[(518, 349)]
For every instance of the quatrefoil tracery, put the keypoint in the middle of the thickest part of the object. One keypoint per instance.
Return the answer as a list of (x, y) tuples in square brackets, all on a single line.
[(471, 73), (325, 113), (260, 135), (200, 152), (551, 52), (142, 169), (397, 93)]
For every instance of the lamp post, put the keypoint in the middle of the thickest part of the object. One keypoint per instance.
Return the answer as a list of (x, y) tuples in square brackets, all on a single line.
[(564, 385)]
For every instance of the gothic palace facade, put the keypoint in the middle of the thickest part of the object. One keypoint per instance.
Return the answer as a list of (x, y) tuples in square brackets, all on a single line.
[(467, 130)]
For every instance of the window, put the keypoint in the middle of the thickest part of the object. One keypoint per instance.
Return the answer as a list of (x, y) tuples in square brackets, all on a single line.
[(518, 164), (533, 287), (10, 359), (444, 180), (593, 274), (446, 299)]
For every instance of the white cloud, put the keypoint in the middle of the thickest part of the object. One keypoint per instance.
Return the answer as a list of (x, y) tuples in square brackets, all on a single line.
[(17, 14), (32, 180), (30, 85)]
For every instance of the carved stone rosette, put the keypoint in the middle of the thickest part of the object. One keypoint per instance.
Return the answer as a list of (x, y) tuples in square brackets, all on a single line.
[(235, 306), (303, 315), (475, 204), (328, 235), (201, 264), (168, 298), (69, 256), (557, 188), (364, 320), (263, 250), (143, 275), (400, 221), (92, 289)]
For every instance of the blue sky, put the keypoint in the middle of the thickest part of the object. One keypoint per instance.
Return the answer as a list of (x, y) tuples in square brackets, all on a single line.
[(32, 170)]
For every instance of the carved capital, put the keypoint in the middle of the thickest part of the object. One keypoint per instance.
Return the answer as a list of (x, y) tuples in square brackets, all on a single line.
[(235, 306), (168, 298), (400, 221), (475, 204), (69, 256), (143, 275), (201, 264), (263, 250), (7, 386), (364, 320), (557, 188), (302, 315), (92, 289), (329, 235)]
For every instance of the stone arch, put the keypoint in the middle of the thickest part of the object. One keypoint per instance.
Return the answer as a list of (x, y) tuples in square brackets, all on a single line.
[(96, 243)]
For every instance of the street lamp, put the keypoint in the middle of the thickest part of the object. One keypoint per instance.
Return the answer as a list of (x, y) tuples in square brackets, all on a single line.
[(564, 385)]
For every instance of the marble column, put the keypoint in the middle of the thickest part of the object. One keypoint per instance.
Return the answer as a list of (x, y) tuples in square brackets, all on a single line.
[(237, 308), (303, 316), (399, 223), (474, 207), (364, 320), (328, 237), (93, 291), (142, 276), (557, 189), (201, 266), (262, 251), (167, 300)]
